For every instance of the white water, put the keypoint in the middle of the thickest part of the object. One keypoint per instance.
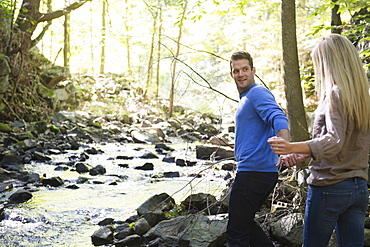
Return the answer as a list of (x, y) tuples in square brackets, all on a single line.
[(67, 217)]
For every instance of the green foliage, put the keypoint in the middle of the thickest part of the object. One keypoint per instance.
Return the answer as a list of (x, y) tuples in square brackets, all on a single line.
[(6, 11), (178, 210), (132, 225)]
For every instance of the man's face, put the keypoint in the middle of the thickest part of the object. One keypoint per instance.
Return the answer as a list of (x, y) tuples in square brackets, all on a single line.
[(243, 74)]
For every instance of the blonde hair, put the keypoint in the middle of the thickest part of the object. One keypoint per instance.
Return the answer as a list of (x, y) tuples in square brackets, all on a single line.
[(337, 62)]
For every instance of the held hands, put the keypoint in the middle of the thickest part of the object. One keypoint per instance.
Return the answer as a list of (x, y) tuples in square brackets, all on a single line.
[(290, 160)]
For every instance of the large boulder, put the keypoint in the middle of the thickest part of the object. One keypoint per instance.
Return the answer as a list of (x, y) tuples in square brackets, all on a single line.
[(102, 236), (20, 196), (288, 230), (207, 152), (194, 230), (161, 202)]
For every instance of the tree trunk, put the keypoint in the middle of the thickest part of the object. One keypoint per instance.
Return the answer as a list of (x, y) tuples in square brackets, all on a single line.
[(103, 33), (159, 51), (14, 46), (293, 90), (151, 55), (67, 47), (173, 79), (128, 47), (336, 21)]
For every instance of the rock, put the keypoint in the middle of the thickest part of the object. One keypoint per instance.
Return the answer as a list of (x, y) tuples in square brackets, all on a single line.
[(97, 170), (139, 136), (124, 157), (148, 155), (170, 157), (165, 228), (200, 231), (200, 202), (61, 168), (154, 217), (130, 241), (163, 146), (367, 222), (367, 238), (174, 124), (123, 231), (81, 180), (5, 186), (289, 230), (12, 162), (5, 128), (54, 181), (229, 167), (81, 168), (102, 236), (40, 126), (2, 212), (38, 156), (142, 226), (161, 202), (106, 221), (165, 241), (171, 174), (206, 152), (20, 196), (184, 162), (193, 230), (207, 129), (146, 167)]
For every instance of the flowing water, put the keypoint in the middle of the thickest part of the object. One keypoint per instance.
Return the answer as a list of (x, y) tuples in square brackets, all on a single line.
[(68, 217)]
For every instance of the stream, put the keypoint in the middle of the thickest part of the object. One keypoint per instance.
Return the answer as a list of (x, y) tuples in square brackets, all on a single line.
[(68, 217)]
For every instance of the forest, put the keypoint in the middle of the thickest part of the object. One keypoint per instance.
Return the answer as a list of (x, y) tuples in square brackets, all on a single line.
[(175, 52), (92, 91)]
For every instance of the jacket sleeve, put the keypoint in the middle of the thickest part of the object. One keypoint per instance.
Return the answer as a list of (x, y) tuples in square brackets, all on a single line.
[(329, 129)]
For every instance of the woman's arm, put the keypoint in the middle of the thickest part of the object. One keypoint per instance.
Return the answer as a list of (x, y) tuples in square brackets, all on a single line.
[(281, 146)]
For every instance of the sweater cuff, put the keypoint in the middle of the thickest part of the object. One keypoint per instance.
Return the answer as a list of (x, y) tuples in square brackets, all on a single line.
[(279, 125)]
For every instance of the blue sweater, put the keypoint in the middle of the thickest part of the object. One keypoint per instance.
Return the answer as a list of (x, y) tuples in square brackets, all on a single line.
[(258, 118)]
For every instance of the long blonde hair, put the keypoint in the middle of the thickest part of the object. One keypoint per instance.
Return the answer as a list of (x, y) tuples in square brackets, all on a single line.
[(337, 62)]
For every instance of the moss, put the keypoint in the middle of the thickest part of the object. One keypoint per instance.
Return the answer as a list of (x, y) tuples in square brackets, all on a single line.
[(5, 128)]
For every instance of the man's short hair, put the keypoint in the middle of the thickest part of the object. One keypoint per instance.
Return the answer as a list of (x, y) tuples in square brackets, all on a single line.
[(241, 55)]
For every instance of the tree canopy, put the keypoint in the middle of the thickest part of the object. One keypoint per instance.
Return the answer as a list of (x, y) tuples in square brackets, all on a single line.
[(141, 41)]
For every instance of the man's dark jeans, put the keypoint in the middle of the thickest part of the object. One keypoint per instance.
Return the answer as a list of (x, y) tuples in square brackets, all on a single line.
[(249, 192)]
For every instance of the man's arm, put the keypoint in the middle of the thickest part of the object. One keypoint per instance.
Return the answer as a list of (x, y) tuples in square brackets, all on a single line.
[(284, 133)]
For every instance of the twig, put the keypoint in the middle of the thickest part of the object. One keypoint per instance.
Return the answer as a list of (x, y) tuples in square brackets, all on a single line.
[(7, 104)]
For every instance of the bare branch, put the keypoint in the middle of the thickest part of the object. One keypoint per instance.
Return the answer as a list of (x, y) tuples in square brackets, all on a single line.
[(209, 85), (59, 13)]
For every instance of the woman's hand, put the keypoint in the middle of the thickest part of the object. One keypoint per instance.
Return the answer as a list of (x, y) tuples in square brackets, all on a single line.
[(279, 145)]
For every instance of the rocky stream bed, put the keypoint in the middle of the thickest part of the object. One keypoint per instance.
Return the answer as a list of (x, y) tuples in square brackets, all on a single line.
[(80, 180)]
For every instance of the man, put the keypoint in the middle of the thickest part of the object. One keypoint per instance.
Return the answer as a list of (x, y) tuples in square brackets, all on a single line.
[(258, 118)]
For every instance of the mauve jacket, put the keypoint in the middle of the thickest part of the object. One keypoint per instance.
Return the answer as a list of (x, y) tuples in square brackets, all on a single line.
[(339, 150)]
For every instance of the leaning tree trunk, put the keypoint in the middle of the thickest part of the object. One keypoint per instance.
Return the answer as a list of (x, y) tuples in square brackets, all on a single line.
[(292, 81), (15, 44)]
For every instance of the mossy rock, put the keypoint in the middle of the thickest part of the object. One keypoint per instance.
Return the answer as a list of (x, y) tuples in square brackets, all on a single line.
[(54, 129), (5, 128)]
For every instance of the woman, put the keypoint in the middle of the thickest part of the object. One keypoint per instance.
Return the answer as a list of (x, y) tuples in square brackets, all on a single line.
[(337, 189)]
